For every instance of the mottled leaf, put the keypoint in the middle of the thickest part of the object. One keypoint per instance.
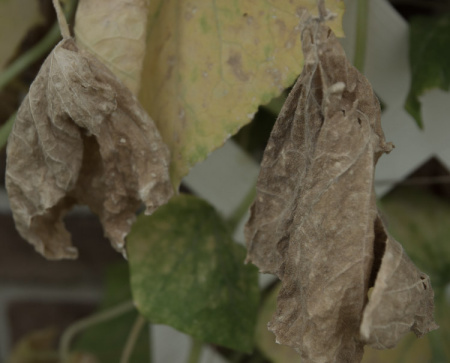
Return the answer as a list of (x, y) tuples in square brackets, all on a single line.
[(209, 64), (114, 31), (107, 339), (429, 57), (187, 272), (16, 18), (315, 223), (80, 136)]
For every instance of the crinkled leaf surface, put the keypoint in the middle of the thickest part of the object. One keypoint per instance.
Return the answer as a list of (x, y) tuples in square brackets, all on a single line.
[(315, 223), (107, 340), (265, 340), (187, 272), (419, 218), (209, 64), (114, 31), (80, 136), (429, 56), (16, 18)]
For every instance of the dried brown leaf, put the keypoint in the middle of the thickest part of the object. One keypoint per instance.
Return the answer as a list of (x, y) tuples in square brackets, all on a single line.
[(315, 222), (80, 136)]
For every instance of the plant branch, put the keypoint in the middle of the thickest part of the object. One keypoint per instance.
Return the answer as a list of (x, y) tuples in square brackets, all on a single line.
[(362, 18), (39, 50), (196, 351), (5, 130), (63, 26), (83, 324), (132, 338)]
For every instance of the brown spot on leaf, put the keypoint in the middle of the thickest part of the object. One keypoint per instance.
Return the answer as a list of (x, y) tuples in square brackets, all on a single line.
[(235, 62)]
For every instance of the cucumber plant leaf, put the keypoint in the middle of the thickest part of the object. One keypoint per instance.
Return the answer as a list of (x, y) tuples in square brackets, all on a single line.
[(210, 64), (188, 273), (429, 56), (315, 223), (80, 136), (114, 31)]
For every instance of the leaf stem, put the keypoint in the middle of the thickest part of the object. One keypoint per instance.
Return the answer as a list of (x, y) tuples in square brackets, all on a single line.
[(132, 338), (5, 130), (85, 323), (39, 50), (63, 26), (196, 351), (362, 18)]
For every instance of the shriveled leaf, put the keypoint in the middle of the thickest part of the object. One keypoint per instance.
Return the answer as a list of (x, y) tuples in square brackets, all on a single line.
[(114, 31), (16, 18), (315, 223), (429, 57), (419, 218), (265, 340), (107, 339), (209, 64), (80, 136), (187, 272)]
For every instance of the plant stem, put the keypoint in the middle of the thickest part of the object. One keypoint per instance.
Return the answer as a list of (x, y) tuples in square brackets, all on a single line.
[(39, 50), (85, 323), (362, 18), (5, 130), (196, 351), (132, 338), (65, 32)]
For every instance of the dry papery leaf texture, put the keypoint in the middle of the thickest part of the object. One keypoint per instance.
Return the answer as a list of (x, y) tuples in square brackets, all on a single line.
[(80, 136), (315, 223)]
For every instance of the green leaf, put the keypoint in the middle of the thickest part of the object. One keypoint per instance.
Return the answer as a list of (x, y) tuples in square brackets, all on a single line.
[(187, 272), (107, 340), (429, 54)]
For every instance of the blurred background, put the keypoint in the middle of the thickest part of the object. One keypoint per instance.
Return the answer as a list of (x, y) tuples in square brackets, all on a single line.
[(40, 299)]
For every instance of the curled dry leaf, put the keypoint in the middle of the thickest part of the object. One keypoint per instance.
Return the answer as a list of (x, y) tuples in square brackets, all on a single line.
[(80, 136), (315, 222)]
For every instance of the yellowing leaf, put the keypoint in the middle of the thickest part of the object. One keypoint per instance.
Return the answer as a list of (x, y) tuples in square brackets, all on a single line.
[(209, 64), (16, 18), (114, 31)]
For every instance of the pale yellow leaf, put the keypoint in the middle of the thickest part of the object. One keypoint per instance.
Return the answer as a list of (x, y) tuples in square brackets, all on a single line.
[(16, 18), (209, 64), (114, 31)]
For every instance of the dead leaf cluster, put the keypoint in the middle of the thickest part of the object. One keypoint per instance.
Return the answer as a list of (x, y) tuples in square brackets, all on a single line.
[(81, 136), (315, 223)]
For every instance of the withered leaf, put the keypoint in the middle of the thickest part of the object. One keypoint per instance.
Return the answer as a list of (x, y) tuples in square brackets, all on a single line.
[(80, 136), (315, 223)]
